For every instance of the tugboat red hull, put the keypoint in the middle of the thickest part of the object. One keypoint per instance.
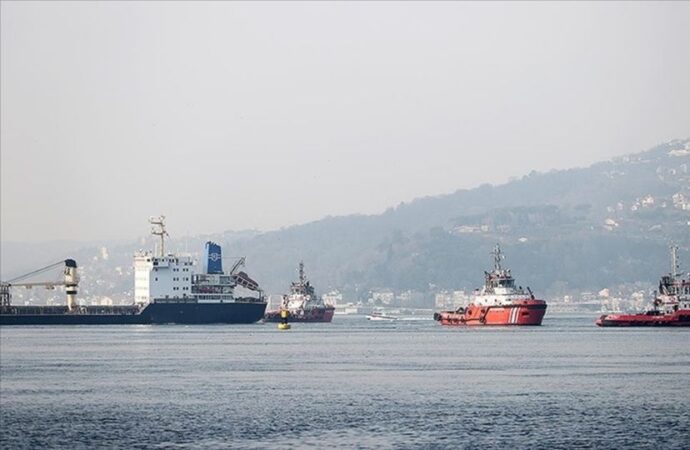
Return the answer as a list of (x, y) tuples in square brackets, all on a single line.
[(322, 315), (679, 318), (520, 312)]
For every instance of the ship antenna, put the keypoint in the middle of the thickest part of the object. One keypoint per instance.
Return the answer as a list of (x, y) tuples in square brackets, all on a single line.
[(301, 273), (159, 230), (675, 264), (498, 256)]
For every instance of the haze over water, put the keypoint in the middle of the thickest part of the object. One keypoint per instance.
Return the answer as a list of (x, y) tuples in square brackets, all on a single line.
[(351, 383), (233, 115)]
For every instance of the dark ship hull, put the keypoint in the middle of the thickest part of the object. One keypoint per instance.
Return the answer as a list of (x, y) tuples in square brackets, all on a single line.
[(319, 315), (189, 312)]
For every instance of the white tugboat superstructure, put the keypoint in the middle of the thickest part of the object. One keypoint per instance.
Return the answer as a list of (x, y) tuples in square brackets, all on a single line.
[(499, 285)]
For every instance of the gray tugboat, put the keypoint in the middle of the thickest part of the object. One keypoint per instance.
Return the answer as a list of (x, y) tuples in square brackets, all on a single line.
[(302, 303)]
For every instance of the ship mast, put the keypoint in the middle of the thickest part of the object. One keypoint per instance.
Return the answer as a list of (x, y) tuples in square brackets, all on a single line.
[(302, 279), (498, 256), (675, 264), (159, 230)]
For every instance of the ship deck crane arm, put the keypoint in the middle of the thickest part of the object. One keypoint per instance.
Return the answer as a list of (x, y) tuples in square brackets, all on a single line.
[(17, 281), (69, 279), (239, 263)]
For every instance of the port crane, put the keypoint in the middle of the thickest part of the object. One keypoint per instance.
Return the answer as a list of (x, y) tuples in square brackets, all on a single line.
[(69, 278)]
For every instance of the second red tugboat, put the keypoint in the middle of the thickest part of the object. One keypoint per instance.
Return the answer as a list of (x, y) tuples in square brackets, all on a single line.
[(500, 302), (302, 303), (671, 306)]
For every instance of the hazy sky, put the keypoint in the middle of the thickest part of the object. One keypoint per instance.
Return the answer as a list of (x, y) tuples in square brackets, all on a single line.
[(231, 115)]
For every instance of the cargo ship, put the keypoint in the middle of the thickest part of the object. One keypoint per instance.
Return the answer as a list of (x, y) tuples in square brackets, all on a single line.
[(499, 302), (302, 303), (671, 306), (167, 289)]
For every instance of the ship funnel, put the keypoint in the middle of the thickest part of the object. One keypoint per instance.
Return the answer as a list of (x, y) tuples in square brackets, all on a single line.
[(213, 262)]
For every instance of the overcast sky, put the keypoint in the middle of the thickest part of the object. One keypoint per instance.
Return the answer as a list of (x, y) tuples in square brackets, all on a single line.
[(234, 116)]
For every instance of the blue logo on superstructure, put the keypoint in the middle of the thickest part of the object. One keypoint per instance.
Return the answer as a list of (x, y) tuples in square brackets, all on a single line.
[(214, 260)]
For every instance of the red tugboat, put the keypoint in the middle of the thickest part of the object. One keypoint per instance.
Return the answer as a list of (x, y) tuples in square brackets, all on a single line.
[(302, 303), (498, 303), (671, 307)]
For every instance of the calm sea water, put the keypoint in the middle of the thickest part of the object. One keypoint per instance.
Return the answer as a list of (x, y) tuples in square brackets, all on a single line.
[(352, 383)]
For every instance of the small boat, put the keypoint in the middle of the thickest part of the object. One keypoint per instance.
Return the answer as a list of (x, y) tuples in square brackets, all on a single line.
[(381, 317)]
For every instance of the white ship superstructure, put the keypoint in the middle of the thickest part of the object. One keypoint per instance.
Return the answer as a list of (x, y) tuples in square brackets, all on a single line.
[(161, 277), (170, 276), (499, 285), (302, 295), (674, 289)]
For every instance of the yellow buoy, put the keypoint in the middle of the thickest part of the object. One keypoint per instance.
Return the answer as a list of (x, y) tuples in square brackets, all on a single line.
[(284, 325)]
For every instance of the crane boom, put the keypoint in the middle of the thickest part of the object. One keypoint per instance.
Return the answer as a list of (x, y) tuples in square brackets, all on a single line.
[(70, 279), (237, 265), (48, 284)]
